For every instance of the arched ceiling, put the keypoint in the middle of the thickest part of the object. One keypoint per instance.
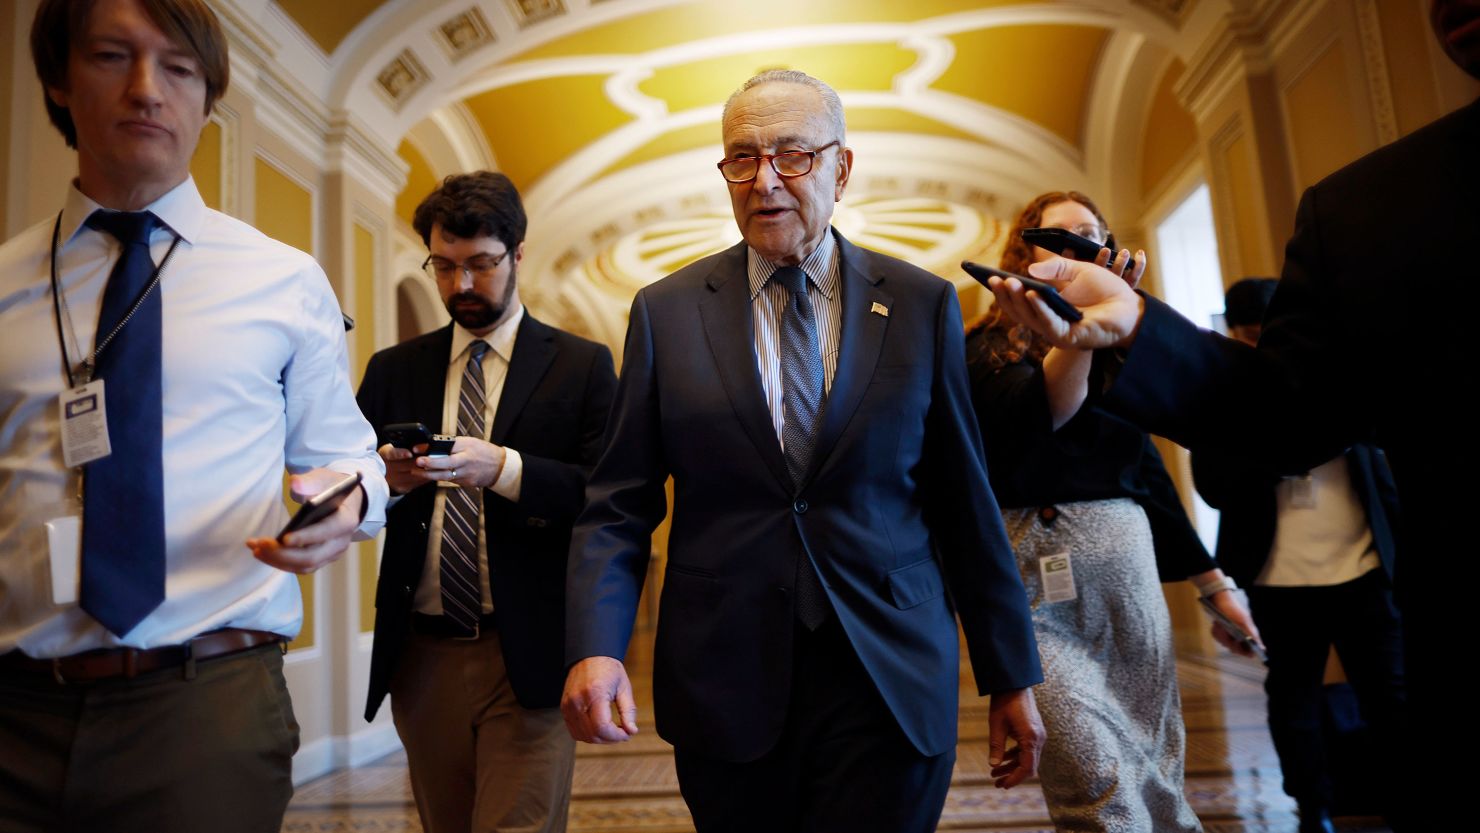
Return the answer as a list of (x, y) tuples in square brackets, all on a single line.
[(606, 114)]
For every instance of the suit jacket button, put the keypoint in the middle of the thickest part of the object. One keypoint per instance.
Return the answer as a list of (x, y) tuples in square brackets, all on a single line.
[(538, 523), (799, 506)]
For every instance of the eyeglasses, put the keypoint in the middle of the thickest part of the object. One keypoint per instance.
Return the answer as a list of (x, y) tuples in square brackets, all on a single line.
[(1090, 231), (476, 267), (792, 163)]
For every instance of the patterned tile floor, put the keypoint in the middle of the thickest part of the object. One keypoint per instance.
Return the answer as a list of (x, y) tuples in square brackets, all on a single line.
[(1232, 774)]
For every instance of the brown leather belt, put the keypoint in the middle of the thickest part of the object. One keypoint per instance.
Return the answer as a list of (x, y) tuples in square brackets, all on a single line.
[(125, 663)]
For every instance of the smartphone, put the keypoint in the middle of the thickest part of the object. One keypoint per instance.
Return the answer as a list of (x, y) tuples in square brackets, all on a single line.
[(408, 435), (1050, 296), (1233, 629), (1059, 240), (321, 505)]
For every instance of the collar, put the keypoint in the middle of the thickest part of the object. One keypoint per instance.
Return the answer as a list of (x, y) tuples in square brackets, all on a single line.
[(180, 209), (501, 340), (821, 267)]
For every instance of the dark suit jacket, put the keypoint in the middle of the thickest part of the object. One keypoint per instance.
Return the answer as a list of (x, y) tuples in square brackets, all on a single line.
[(552, 411), (1369, 338), (1245, 494), (895, 509), (1363, 341)]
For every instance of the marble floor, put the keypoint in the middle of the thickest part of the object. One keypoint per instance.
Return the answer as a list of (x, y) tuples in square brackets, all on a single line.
[(1232, 774)]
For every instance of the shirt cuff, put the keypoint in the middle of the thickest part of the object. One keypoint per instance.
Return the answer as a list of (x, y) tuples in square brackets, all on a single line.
[(511, 477)]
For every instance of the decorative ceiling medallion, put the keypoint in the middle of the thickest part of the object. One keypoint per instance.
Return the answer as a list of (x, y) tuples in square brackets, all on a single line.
[(930, 231), (530, 12), (464, 33), (401, 78), (1174, 10)]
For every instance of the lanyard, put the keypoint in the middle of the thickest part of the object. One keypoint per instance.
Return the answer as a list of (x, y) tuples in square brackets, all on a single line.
[(59, 304)]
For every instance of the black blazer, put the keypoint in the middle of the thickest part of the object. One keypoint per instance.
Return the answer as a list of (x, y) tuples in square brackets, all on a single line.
[(1366, 340), (1245, 494), (895, 509), (552, 411)]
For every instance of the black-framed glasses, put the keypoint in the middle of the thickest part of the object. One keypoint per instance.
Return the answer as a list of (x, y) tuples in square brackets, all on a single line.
[(792, 163), (476, 267)]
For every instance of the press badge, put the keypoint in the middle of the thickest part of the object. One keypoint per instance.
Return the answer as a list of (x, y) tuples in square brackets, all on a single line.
[(1302, 491), (64, 539), (1057, 573), (84, 425)]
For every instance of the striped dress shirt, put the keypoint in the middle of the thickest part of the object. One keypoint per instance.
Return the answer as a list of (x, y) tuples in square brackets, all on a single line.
[(768, 301)]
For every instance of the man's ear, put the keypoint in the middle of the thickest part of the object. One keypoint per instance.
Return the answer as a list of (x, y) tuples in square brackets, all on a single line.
[(845, 168)]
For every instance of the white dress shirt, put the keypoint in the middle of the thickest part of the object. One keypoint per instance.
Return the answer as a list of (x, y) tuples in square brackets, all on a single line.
[(767, 302), (255, 379), (428, 597), (1321, 533)]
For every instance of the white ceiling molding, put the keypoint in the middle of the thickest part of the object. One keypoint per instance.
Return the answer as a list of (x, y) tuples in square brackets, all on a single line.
[(350, 148), (1125, 84)]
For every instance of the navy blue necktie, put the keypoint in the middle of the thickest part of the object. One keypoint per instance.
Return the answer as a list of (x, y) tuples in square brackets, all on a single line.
[(802, 395), (123, 498)]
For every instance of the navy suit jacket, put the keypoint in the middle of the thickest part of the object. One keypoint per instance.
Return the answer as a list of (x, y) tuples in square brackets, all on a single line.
[(1364, 341), (552, 411), (895, 512)]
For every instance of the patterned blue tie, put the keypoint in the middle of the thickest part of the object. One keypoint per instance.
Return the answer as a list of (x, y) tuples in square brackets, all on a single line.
[(462, 598), (802, 397), (123, 500)]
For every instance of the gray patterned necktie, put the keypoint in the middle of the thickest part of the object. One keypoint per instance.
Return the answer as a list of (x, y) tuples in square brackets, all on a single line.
[(802, 399), (462, 599)]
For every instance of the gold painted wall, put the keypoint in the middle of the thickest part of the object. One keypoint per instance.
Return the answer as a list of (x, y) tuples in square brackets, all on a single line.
[(285, 212), (364, 255), (284, 208), (1320, 119), (510, 117), (7, 36), (1243, 193), (1052, 93), (205, 166), (1405, 34), (696, 21), (848, 66), (1170, 134), (328, 23), (420, 180)]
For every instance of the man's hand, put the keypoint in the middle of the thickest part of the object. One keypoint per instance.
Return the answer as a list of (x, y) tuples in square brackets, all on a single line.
[(401, 472), (306, 550), (1112, 310), (473, 462), (1230, 605), (1013, 714), (592, 686)]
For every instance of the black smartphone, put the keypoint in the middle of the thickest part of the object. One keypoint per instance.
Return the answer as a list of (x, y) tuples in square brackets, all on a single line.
[(321, 505), (408, 435), (1238, 633), (1050, 296), (1059, 240)]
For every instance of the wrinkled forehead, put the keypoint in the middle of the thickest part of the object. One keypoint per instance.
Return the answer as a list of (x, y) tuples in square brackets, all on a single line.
[(775, 115)]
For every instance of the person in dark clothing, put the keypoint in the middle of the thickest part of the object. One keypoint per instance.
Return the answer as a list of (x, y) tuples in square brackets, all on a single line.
[(1316, 551)]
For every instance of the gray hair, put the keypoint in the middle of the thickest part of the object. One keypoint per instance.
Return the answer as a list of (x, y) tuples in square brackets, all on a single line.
[(830, 101)]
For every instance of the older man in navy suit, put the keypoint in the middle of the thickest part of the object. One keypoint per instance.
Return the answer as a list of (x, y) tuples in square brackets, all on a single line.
[(831, 513)]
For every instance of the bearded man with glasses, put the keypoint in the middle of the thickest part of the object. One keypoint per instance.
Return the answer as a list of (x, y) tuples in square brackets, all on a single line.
[(469, 622), (810, 401)]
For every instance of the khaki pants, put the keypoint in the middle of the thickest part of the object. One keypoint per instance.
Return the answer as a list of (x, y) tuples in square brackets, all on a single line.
[(154, 754), (479, 761)]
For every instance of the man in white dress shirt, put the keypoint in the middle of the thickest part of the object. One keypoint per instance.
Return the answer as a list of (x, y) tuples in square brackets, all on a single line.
[(160, 365)]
